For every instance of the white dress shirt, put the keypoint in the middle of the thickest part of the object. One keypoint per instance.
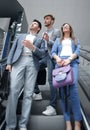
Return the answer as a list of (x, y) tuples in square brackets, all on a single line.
[(27, 51)]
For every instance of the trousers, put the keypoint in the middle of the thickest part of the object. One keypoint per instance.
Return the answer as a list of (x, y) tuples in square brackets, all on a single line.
[(47, 62), (24, 75), (73, 101)]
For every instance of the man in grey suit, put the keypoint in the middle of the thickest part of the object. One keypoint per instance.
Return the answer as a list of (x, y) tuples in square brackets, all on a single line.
[(22, 61), (50, 35)]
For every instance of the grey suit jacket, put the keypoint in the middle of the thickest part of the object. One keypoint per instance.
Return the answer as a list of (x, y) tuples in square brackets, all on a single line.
[(55, 33), (17, 49)]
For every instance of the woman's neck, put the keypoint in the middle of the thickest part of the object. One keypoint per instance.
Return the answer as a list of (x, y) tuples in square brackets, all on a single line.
[(66, 36)]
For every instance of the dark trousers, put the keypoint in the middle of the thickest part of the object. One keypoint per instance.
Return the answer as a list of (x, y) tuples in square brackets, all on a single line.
[(48, 62)]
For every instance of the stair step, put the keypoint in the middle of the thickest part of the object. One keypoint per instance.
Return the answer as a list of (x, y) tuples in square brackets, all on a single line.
[(46, 122), (45, 95), (39, 106)]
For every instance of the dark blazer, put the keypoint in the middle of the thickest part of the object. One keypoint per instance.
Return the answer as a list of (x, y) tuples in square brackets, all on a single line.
[(17, 49)]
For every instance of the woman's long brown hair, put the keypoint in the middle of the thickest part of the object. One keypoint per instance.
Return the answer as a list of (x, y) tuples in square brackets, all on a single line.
[(71, 33)]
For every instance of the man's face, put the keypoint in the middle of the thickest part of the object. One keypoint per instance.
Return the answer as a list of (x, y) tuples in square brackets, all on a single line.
[(48, 21), (34, 26)]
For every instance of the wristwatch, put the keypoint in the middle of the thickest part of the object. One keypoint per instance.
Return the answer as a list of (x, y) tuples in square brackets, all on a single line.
[(70, 58)]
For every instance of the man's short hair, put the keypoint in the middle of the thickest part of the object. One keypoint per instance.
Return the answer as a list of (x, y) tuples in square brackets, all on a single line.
[(39, 23), (50, 15)]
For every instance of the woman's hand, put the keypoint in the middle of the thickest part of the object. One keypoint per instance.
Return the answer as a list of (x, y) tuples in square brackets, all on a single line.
[(66, 62), (59, 61)]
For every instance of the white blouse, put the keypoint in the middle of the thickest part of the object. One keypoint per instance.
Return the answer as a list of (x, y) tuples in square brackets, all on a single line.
[(66, 48)]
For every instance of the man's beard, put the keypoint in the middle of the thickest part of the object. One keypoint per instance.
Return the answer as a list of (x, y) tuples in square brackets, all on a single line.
[(47, 25)]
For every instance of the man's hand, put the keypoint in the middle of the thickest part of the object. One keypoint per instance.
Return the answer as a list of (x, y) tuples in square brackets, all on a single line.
[(8, 67), (28, 44), (46, 37)]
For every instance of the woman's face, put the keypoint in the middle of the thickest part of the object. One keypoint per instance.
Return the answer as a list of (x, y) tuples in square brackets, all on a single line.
[(66, 28)]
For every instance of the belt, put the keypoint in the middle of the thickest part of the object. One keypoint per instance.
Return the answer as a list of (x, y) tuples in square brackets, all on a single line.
[(27, 55)]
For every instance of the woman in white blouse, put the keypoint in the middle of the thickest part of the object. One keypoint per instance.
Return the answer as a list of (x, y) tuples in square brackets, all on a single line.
[(66, 50)]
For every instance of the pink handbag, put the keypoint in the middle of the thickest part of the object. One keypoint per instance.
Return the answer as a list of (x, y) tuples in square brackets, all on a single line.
[(62, 76)]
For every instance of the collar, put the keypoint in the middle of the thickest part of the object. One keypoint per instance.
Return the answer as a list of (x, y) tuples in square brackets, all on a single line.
[(33, 34), (49, 30)]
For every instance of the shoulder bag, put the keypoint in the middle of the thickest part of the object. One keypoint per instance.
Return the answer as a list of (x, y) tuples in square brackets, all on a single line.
[(62, 76)]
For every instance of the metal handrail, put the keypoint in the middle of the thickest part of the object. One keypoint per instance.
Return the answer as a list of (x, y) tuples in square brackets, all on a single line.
[(85, 50), (82, 54)]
